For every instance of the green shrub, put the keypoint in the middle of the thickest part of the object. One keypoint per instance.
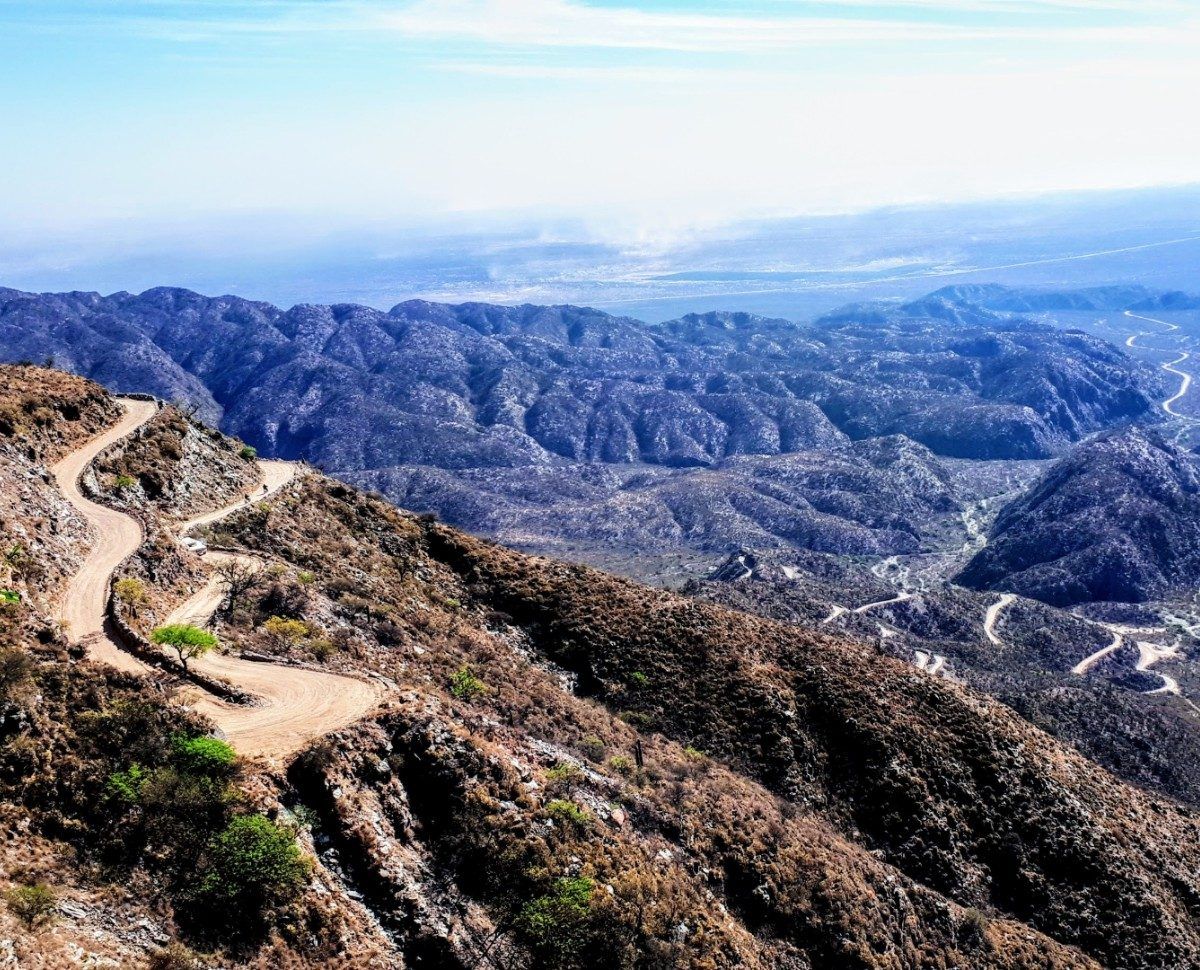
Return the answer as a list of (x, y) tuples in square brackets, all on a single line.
[(10, 596), (32, 905), (321, 649), (126, 786), (639, 679), (286, 632), (306, 578), (556, 925), (465, 685), (248, 453), (251, 865), (694, 754), (568, 814), (621, 765), (123, 482), (131, 591), (204, 755)]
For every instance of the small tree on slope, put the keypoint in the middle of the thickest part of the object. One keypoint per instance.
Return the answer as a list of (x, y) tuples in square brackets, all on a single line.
[(187, 641)]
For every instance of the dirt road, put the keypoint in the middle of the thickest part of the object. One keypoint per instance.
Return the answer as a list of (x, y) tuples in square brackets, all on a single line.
[(992, 615), (116, 537), (296, 705)]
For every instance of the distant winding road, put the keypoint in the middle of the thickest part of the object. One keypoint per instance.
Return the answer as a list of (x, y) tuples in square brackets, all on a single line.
[(297, 705), (992, 616), (1185, 382)]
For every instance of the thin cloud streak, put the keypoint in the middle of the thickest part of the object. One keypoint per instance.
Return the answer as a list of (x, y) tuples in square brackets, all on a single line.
[(560, 24)]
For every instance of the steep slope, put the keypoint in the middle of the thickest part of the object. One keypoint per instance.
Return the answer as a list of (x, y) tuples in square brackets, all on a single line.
[(1117, 519), (1082, 679), (578, 771), (955, 792)]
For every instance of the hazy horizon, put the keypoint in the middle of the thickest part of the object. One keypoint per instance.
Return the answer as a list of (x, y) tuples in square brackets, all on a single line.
[(651, 115)]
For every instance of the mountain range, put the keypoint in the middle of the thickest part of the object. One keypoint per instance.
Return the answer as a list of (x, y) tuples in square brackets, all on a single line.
[(561, 767), (550, 427)]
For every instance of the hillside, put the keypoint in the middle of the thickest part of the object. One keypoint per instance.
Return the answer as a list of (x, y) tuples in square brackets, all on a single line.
[(565, 769), (541, 425), (1083, 679), (1116, 519)]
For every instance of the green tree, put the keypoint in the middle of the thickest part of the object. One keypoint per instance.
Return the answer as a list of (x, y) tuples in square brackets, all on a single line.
[(187, 641), (251, 865)]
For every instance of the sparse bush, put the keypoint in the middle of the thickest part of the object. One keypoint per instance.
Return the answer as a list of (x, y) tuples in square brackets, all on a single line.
[(252, 865), (181, 811), (33, 905), (568, 814), (563, 777), (973, 928), (556, 925), (639, 679), (123, 482), (15, 669), (592, 747), (285, 632), (131, 592), (175, 956), (465, 685), (306, 578), (321, 649), (187, 641)]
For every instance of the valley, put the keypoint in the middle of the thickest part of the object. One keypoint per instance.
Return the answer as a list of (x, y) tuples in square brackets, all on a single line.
[(918, 515)]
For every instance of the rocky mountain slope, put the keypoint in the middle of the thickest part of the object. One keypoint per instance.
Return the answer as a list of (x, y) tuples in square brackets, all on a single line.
[(1077, 677), (570, 770), (457, 409), (1116, 519)]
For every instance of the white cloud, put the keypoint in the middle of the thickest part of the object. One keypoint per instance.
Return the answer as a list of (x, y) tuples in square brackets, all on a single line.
[(793, 26)]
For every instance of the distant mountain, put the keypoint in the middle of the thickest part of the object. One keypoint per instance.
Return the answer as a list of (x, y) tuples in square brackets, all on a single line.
[(1010, 299), (463, 409), (1117, 519)]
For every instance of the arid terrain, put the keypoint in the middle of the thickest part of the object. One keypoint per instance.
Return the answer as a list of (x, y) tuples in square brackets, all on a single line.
[(555, 764)]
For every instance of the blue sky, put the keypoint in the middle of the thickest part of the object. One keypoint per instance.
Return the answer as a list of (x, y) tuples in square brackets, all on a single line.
[(642, 117)]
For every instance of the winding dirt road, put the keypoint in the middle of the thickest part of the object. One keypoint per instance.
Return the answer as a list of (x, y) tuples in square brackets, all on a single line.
[(117, 536), (1185, 379), (992, 616), (296, 705), (1088, 662), (898, 598)]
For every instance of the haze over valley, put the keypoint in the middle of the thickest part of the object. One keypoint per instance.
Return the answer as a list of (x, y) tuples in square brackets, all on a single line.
[(600, 485)]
